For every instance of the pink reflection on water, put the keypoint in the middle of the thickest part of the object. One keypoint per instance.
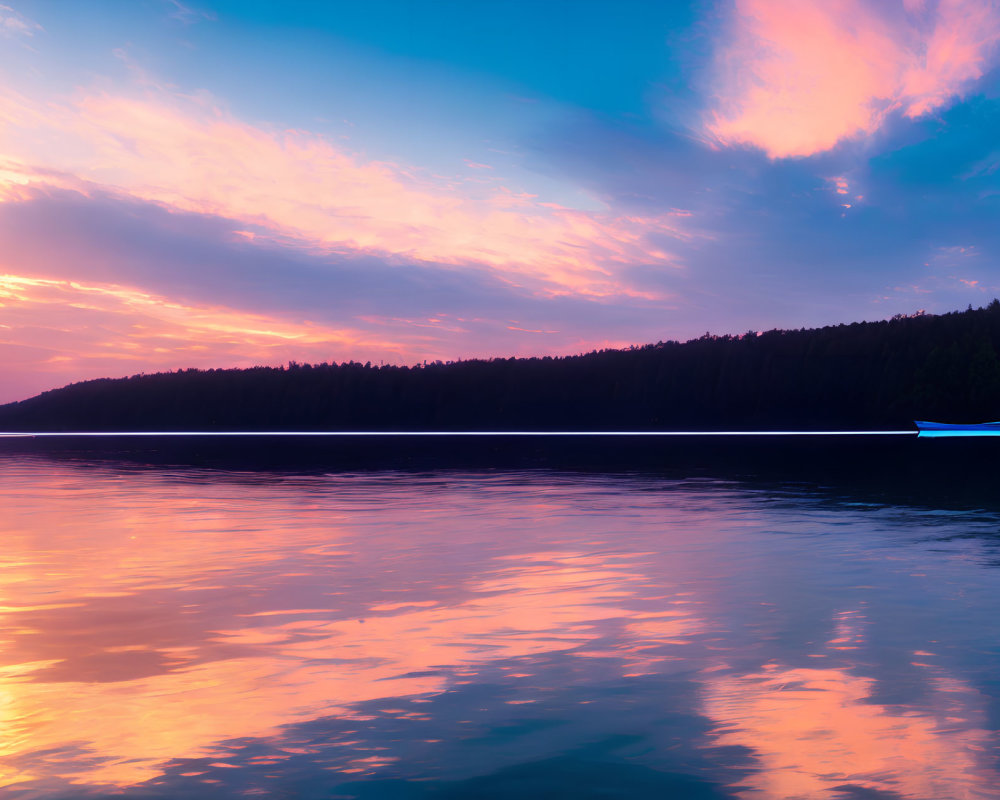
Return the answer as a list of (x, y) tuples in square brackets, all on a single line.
[(179, 615), (814, 730), (148, 618)]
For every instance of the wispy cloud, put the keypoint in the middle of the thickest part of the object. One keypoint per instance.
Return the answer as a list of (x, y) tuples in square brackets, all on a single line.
[(798, 76), (71, 330), (187, 14), (15, 24), (190, 153), (165, 193), (131, 285)]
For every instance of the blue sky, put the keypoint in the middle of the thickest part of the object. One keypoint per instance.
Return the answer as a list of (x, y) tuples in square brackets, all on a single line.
[(228, 184)]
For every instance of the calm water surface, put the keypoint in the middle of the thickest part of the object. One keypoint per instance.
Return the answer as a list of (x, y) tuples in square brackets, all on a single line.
[(443, 635)]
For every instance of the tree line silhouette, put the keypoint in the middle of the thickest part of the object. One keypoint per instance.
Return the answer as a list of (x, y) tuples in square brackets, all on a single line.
[(864, 375)]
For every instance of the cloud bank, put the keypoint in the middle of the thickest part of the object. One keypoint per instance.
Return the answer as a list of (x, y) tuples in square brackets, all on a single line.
[(798, 76)]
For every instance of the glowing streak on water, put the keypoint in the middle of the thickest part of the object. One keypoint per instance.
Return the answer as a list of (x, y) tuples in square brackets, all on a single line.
[(946, 434), (26, 434)]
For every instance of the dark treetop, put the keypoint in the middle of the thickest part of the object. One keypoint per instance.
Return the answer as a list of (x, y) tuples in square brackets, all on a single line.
[(866, 375)]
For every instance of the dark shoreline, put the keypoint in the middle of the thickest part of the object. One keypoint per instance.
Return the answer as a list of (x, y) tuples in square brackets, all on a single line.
[(862, 376), (962, 471)]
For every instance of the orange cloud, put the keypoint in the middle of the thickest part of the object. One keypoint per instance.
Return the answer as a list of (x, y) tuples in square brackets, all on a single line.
[(799, 76), (188, 153), (290, 189), (64, 330), (813, 730)]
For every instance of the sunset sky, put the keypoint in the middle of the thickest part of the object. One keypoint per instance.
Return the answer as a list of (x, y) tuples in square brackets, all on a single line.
[(232, 183)]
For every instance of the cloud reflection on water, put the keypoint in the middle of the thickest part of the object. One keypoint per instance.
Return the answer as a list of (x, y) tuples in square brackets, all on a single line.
[(815, 730), (183, 633)]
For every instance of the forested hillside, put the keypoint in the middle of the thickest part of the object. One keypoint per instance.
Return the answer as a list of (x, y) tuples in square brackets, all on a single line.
[(861, 375)]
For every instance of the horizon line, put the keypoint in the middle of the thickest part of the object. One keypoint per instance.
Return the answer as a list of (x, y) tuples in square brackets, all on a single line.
[(38, 434)]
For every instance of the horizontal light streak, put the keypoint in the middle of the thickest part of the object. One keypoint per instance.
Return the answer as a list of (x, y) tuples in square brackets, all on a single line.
[(946, 434), (16, 434)]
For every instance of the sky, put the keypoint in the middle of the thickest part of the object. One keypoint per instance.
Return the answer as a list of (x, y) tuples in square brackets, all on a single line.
[(227, 184)]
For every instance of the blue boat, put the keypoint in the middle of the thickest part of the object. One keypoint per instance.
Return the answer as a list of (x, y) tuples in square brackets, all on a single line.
[(958, 429)]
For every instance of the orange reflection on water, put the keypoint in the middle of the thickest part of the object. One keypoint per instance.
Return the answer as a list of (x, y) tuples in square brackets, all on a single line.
[(849, 630), (131, 727), (294, 665), (812, 730)]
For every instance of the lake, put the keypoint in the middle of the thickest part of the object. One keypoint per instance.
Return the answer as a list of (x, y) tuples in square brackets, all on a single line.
[(195, 632)]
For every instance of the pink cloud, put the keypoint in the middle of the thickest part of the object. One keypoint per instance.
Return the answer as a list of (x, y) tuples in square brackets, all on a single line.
[(798, 76), (57, 331), (293, 189), (188, 153), (955, 53)]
